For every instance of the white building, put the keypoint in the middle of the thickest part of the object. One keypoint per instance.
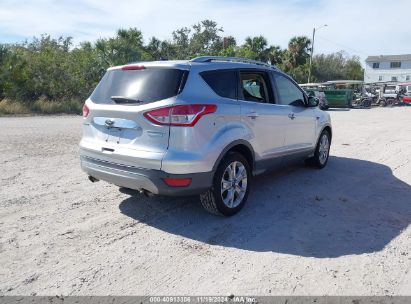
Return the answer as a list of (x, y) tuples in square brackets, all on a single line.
[(389, 68)]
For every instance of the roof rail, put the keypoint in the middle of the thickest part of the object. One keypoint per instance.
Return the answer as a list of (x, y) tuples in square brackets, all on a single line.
[(231, 59)]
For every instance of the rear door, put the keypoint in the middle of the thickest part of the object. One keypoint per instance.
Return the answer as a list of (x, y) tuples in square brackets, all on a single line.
[(265, 120), (116, 129), (301, 120)]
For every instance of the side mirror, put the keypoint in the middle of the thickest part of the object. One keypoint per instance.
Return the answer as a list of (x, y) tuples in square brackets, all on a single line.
[(313, 102)]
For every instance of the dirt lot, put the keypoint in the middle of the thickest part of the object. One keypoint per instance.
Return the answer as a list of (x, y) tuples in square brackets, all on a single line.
[(343, 230)]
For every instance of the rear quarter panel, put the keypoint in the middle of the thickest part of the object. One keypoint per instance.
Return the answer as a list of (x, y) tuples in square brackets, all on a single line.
[(196, 149)]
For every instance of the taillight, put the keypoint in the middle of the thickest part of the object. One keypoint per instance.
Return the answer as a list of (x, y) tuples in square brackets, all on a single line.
[(181, 115), (86, 111), (177, 182)]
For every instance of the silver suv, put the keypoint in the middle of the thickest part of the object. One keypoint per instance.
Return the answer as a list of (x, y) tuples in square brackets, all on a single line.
[(203, 126)]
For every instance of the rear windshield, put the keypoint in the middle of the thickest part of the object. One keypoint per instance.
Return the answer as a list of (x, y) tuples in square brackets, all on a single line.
[(143, 86)]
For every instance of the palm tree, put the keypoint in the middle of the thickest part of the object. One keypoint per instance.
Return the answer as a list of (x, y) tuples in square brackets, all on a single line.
[(298, 50), (256, 44), (275, 55)]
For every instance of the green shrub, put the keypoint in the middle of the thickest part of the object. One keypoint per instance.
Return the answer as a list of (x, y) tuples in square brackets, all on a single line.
[(9, 107), (44, 106), (41, 106)]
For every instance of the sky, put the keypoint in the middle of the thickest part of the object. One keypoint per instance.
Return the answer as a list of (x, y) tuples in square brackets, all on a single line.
[(360, 27)]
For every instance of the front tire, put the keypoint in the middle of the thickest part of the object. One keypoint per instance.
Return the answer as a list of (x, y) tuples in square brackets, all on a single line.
[(231, 186), (322, 151)]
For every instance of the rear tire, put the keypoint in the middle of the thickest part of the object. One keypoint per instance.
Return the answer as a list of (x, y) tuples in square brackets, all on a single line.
[(322, 151), (231, 186), (366, 103)]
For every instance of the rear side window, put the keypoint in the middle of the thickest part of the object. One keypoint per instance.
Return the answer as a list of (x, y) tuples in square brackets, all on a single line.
[(144, 86), (223, 83)]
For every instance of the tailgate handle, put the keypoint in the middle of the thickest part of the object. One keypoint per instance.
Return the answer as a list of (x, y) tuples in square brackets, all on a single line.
[(107, 150), (118, 123)]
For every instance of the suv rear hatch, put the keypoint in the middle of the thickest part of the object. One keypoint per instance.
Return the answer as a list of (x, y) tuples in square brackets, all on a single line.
[(115, 129)]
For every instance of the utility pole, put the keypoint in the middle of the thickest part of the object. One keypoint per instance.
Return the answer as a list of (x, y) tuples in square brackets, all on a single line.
[(312, 51)]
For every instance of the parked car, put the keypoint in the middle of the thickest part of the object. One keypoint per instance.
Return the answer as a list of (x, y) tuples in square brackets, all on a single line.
[(322, 100), (204, 126), (317, 90), (406, 98), (404, 89)]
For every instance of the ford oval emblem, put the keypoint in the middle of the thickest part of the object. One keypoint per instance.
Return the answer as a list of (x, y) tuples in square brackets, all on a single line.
[(109, 123)]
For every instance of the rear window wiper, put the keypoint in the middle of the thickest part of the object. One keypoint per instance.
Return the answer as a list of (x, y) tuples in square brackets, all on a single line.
[(123, 99)]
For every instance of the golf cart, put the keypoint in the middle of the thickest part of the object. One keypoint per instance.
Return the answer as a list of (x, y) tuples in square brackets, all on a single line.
[(388, 94)]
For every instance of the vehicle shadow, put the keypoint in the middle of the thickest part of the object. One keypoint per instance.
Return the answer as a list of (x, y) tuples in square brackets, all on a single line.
[(350, 207)]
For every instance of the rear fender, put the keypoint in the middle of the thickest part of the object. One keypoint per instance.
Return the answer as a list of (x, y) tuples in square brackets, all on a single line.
[(239, 142), (191, 157)]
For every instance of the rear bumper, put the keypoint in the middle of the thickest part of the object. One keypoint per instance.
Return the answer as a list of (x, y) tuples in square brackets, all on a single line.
[(144, 179)]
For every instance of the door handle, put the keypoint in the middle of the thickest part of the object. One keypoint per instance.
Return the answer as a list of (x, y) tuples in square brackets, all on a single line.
[(291, 115), (252, 115)]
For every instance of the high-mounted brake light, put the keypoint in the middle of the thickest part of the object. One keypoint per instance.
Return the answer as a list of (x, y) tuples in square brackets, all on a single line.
[(86, 111), (133, 67), (181, 115)]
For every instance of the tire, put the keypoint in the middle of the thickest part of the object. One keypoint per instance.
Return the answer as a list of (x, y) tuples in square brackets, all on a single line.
[(366, 103), (218, 200), (319, 160)]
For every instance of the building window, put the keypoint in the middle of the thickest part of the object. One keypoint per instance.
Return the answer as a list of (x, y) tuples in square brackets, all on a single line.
[(407, 77), (376, 65), (395, 64), (379, 78), (393, 78)]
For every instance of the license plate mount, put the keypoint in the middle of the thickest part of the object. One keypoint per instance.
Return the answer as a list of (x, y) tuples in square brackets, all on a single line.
[(113, 135)]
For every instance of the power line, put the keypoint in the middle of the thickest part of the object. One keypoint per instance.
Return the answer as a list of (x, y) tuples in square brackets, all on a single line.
[(341, 45)]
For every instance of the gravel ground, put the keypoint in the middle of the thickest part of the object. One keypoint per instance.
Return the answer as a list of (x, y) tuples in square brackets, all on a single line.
[(343, 230)]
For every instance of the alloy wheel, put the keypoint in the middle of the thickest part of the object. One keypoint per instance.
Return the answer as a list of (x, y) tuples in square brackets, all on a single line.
[(234, 184), (324, 149)]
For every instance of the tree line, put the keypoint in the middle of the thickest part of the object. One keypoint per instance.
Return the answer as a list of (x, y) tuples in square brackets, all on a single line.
[(54, 70)]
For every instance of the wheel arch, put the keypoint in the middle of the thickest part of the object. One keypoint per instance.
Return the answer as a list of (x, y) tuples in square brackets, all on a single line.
[(330, 131), (241, 146)]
